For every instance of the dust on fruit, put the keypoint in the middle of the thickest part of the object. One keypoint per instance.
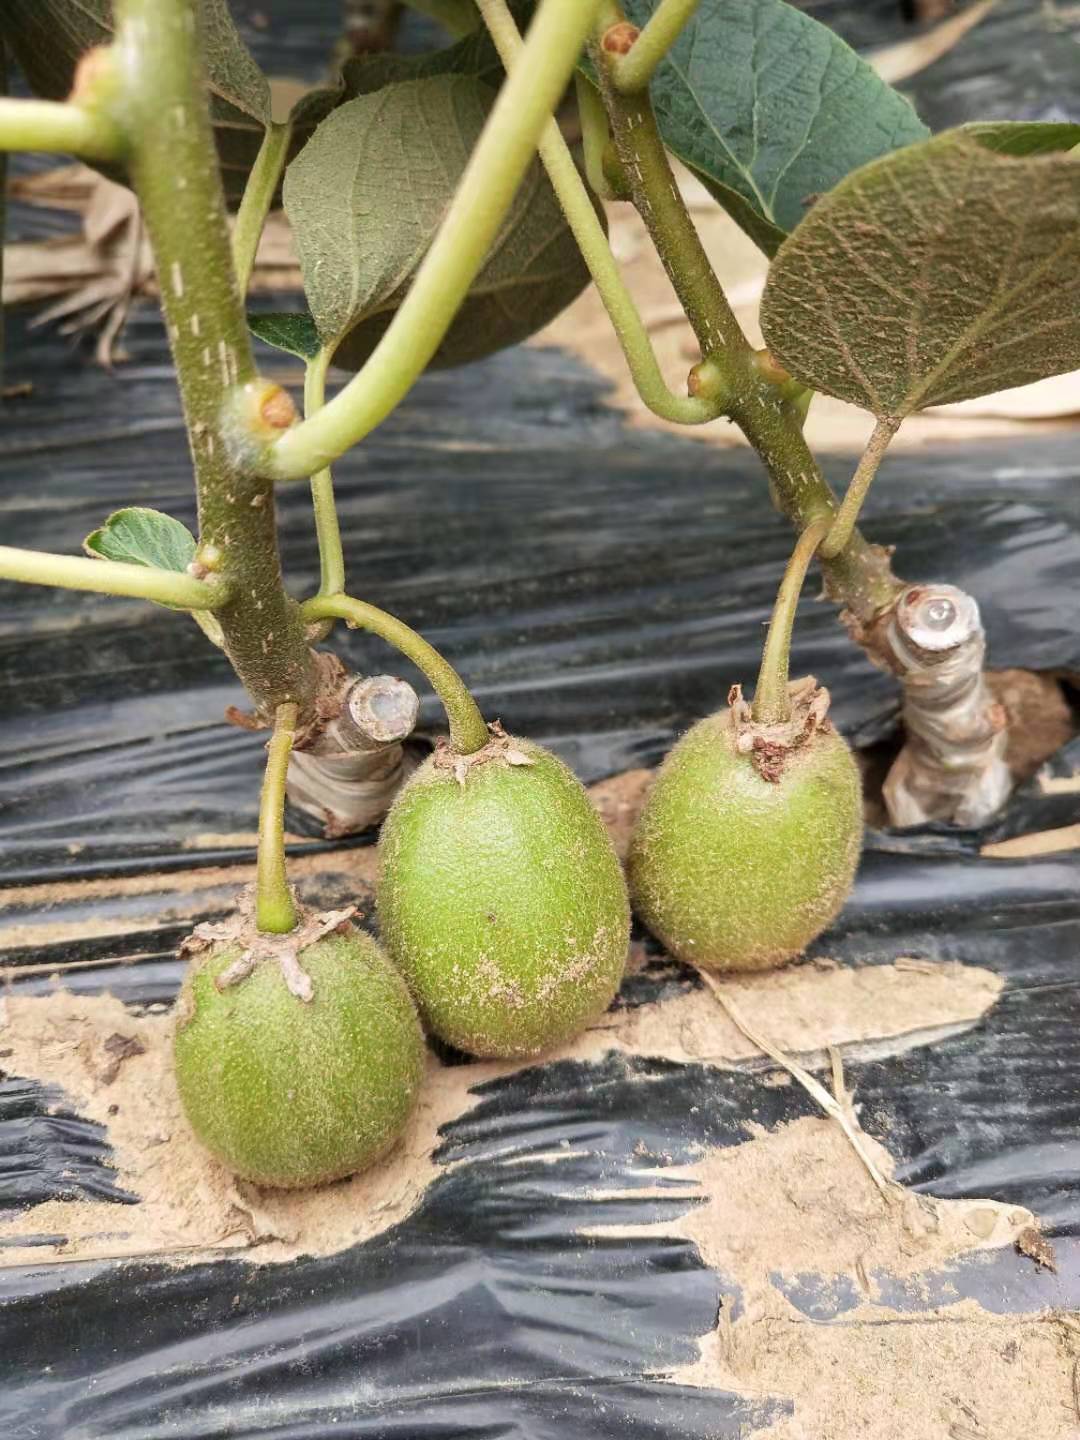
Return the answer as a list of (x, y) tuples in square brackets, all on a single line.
[(747, 844), (291, 1092), (502, 900)]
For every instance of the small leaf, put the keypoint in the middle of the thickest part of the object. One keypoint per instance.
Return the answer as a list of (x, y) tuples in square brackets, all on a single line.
[(771, 109), (945, 271), (139, 536), (294, 333), (47, 37), (358, 254)]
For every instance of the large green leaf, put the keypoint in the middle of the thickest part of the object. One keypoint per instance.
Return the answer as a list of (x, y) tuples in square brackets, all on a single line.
[(771, 109), (47, 38), (944, 271), (366, 196)]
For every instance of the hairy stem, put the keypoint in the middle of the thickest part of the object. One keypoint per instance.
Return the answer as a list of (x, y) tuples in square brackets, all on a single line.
[(633, 71), (581, 216), (331, 557), (111, 577), (274, 908), (257, 198), (59, 127), (468, 732), (658, 201), (171, 162), (772, 705), (595, 132), (843, 527), (859, 576), (491, 179)]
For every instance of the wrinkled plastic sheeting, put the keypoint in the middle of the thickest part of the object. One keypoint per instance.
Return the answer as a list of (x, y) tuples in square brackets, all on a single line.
[(599, 588)]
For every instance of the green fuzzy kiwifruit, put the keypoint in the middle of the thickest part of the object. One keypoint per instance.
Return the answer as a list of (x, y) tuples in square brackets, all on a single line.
[(288, 1092), (502, 901), (734, 870)]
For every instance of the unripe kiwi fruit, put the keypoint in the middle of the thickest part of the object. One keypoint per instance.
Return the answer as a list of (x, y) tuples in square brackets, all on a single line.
[(501, 899), (743, 855), (288, 1092)]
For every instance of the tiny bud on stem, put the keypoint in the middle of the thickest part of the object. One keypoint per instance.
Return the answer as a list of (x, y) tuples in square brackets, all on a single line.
[(619, 40), (770, 369)]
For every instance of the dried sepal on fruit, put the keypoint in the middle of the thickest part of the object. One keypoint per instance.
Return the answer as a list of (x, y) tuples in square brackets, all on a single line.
[(298, 1057)]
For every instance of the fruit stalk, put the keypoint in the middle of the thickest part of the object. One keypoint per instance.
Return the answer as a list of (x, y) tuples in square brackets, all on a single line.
[(485, 193), (468, 731), (772, 702), (162, 107), (275, 912)]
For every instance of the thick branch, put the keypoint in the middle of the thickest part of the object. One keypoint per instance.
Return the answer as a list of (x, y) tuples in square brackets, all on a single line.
[(173, 167)]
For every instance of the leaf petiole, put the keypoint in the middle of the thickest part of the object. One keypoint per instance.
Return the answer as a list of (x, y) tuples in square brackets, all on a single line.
[(596, 252), (59, 127), (843, 527), (486, 191), (112, 577), (257, 198), (327, 528)]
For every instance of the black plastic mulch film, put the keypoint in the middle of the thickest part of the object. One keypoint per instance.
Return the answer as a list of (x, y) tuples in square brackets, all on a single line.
[(599, 588)]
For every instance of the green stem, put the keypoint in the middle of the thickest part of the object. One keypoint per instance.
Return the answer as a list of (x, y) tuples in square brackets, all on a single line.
[(860, 575), (257, 199), (633, 71), (582, 218), (468, 732), (657, 199), (275, 912), (456, 16), (485, 193), (772, 703), (331, 557), (111, 577), (162, 106), (843, 527), (595, 131), (59, 127)]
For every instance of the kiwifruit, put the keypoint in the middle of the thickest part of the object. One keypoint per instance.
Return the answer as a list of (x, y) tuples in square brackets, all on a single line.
[(501, 899), (291, 1092), (748, 842)]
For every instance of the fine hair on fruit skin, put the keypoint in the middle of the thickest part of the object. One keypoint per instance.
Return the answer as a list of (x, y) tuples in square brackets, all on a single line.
[(741, 857), (501, 899), (287, 1092)]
